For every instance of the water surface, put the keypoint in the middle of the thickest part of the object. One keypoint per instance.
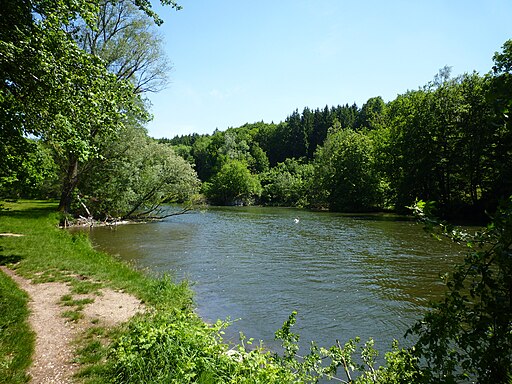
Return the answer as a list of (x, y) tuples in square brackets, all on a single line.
[(346, 276)]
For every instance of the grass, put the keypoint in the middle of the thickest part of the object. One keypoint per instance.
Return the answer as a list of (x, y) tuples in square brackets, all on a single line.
[(16, 338), (167, 344), (46, 253)]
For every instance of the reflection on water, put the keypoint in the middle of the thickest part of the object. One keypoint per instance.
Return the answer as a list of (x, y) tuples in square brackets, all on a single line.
[(346, 276)]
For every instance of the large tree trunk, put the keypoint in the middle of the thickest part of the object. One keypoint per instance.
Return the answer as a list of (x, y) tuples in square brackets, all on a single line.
[(69, 185)]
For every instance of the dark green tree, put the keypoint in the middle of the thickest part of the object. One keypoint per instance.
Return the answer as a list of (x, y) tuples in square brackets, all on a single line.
[(468, 335), (501, 98), (296, 136)]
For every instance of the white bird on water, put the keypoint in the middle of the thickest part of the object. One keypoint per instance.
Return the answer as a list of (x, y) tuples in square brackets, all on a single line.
[(296, 220)]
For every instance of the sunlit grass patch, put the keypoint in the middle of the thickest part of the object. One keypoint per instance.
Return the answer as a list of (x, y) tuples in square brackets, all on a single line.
[(16, 338)]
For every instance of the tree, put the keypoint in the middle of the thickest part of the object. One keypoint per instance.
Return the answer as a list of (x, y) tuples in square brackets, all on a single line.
[(52, 89), (272, 139), (501, 98), (346, 172), (233, 185), (204, 157), (126, 39), (371, 113), (440, 145), (32, 174), (287, 184), (322, 121), (297, 138), (135, 176), (468, 335)]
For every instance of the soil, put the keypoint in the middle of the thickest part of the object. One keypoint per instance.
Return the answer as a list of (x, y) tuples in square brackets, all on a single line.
[(54, 350)]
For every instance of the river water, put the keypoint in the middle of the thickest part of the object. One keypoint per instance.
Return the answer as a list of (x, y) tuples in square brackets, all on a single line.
[(346, 276)]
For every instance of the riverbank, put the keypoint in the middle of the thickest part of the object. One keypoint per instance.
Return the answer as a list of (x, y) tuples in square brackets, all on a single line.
[(36, 251), (167, 343), (60, 274)]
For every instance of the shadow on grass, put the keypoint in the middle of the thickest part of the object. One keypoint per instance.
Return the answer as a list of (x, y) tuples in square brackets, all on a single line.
[(28, 209), (10, 259)]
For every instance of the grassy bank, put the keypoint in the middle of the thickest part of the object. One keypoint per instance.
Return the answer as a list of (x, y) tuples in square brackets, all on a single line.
[(47, 253), (168, 344), (16, 338), (43, 253)]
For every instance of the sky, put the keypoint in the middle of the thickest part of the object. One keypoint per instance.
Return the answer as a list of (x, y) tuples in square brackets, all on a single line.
[(242, 61)]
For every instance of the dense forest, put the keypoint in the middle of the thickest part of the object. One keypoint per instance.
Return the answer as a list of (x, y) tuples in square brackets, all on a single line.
[(73, 113), (449, 141)]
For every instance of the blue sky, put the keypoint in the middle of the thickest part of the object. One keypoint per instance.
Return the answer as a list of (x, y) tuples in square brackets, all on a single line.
[(239, 61)]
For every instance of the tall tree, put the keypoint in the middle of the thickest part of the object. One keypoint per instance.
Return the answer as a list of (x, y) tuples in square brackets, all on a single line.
[(52, 89), (501, 97), (297, 137), (467, 336), (126, 39), (346, 171)]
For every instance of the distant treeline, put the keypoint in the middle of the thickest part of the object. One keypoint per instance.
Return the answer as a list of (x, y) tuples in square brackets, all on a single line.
[(449, 141)]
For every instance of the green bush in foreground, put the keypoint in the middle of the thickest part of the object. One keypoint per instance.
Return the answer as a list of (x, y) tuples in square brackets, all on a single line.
[(178, 347)]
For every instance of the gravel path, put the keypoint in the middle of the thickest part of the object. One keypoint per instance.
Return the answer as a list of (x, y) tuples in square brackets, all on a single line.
[(52, 360)]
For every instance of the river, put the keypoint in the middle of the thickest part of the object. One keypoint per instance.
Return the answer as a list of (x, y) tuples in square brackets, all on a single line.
[(346, 276)]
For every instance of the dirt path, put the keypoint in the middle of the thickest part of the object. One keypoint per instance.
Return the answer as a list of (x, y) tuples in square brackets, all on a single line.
[(52, 360)]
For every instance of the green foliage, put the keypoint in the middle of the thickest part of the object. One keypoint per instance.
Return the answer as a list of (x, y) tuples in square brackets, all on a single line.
[(439, 145), (371, 114), (233, 185), (177, 347), (135, 176), (126, 39), (357, 364), (64, 95), (56, 91), (346, 173), (468, 335), (501, 98), (27, 169), (287, 184), (204, 155)]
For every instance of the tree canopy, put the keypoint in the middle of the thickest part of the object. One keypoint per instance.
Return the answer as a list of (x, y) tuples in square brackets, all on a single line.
[(71, 78), (447, 141)]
